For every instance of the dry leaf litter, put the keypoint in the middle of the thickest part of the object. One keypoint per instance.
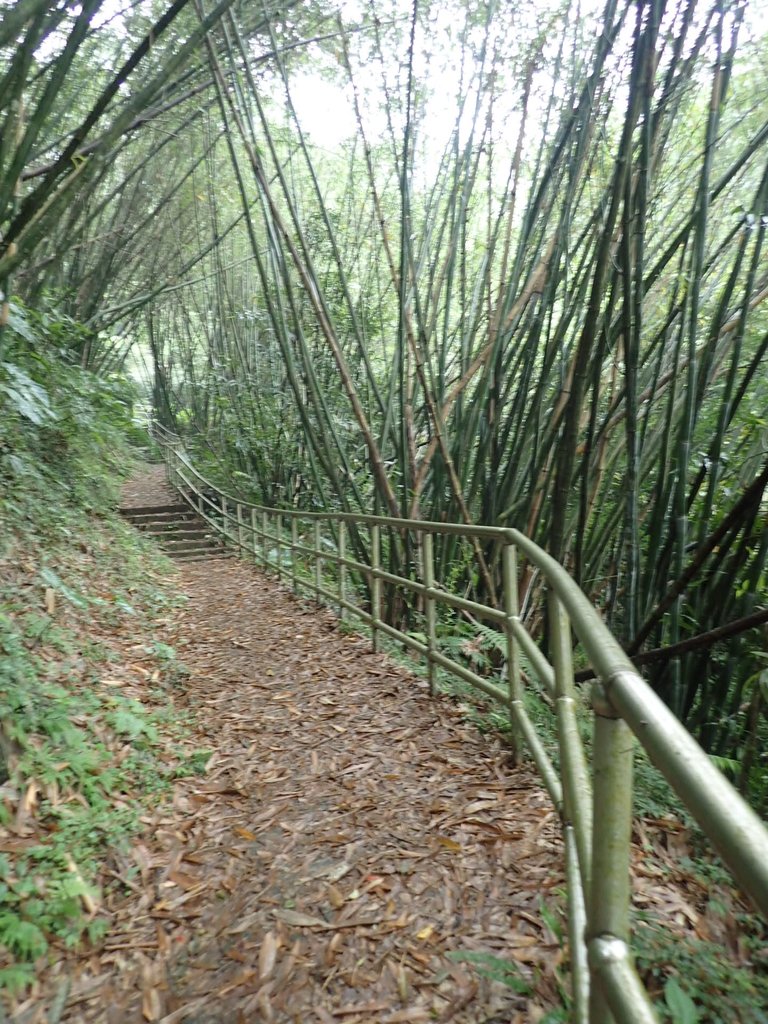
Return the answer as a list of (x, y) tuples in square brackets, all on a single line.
[(348, 833)]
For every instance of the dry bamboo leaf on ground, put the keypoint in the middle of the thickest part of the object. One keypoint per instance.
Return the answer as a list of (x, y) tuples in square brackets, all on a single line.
[(324, 865)]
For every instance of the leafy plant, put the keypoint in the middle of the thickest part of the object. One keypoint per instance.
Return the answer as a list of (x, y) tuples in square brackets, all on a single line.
[(693, 981), (193, 764), (494, 968), (681, 1008), (22, 938)]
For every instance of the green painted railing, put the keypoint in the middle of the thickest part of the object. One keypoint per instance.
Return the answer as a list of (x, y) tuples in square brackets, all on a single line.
[(595, 806)]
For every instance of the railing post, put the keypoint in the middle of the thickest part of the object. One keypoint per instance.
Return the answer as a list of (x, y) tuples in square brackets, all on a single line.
[(577, 793), (613, 977), (318, 561), (239, 511), (342, 570), (577, 928), (375, 586), (577, 809), (264, 549), (428, 574), (278, 546), (294, 542), (511, 612), (224, 520)]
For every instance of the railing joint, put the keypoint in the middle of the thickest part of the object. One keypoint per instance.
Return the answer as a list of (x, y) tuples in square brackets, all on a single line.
[(601, 704), (601, 691), (607, 949)]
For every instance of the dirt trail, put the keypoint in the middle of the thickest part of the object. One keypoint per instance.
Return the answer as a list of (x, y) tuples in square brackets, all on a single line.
[(346, 837), (148, 487), (348, 834)]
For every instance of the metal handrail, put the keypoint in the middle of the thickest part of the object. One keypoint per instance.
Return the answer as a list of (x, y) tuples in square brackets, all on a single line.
[(596, 813)]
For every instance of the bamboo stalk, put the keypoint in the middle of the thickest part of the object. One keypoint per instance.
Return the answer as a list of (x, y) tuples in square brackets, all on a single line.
[(317, 544), (294, 545), (375, 587)]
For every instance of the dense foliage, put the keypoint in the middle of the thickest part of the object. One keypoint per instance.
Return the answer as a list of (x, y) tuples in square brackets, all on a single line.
[(80, 754)]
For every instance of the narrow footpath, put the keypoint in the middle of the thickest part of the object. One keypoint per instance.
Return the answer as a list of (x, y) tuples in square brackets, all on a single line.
[(349, 835)]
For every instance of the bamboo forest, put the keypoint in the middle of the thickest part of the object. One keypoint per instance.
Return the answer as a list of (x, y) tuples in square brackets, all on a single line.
[(383, 511)]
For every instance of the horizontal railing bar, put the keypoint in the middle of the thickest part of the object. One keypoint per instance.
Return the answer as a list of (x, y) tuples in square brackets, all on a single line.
[(416, 587), (361, 613), (363, 570), (320, 591), (403, 638), (308, 585), (464, 604), (351, 563), (216, 526), (398, 581), (498, 533), (304, 550), (540, 757), (471, 677), (200, 495)]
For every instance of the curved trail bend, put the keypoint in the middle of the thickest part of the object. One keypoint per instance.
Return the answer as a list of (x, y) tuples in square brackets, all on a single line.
[(349, 833)]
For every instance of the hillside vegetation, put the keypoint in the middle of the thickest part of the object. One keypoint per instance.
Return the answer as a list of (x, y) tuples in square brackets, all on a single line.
[(88, 733)]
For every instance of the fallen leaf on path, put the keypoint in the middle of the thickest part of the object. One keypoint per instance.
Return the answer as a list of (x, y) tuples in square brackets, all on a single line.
[(449, 844), (345, 1011), (294, 917), (267, 955)]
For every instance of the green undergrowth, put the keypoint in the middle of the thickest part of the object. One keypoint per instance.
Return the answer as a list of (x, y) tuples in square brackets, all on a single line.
[(89, 739)]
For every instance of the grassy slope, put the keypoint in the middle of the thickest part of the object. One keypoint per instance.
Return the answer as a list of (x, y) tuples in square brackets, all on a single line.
[(84, 706), (88, 735)]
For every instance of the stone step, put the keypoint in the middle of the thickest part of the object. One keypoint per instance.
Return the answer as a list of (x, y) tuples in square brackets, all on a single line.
[(206, 556), (148, 522), (161, 520), (190, 522), (196, 544), (188, 530), (181, 533), (141, 511)]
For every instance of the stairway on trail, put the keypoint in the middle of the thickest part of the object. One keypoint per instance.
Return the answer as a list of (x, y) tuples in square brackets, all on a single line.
[(182, 534)]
